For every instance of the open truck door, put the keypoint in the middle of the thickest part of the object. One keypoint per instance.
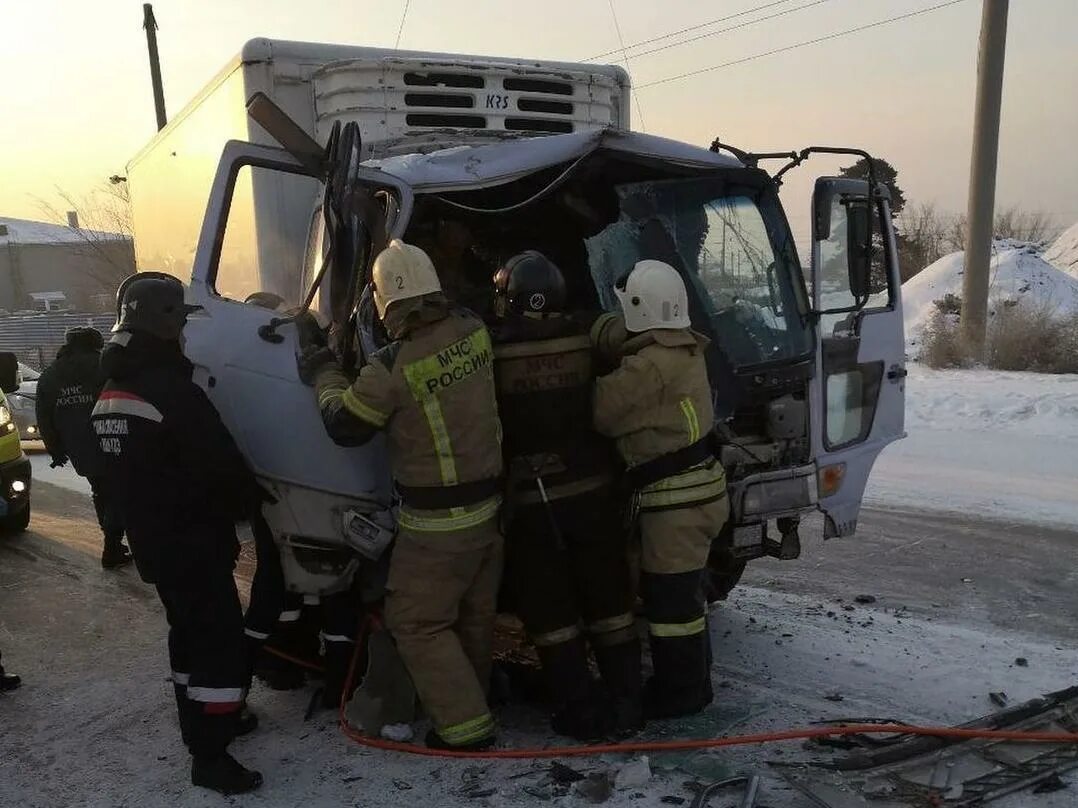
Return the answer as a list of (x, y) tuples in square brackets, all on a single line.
[(244, 345), (857, 395)]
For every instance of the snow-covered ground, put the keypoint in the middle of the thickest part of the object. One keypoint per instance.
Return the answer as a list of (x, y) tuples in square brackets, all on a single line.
[(1064, 251), (989, 443), (64, 477), (1018, 272)]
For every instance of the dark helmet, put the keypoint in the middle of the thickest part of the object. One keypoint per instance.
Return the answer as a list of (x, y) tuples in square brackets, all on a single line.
[(529, 283), (84, 337), (152, 303)]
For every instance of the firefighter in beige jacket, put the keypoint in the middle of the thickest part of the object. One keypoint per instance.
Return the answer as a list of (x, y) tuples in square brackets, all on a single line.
[(432, 391), (657, 407)]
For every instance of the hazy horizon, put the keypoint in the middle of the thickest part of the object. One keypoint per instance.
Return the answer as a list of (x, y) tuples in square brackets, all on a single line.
[(78, 103)]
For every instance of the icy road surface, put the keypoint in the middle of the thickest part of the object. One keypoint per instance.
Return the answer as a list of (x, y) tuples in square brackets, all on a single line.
[(958, 601), (985, 443)]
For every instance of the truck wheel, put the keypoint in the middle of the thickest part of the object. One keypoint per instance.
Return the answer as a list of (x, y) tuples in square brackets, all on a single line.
[(721, 579), (16, 522)]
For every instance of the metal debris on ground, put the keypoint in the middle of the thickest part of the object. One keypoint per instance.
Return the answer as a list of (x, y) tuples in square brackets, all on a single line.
[(998, 697), (704, 793), (835, 697), (1022, 662), (948, 772), (560, 773), (865, 599)]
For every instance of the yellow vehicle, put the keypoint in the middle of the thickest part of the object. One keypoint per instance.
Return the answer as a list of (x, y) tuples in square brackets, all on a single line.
[(14, 465)]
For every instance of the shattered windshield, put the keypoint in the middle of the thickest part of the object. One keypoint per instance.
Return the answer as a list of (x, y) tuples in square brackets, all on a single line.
[(731, 243)]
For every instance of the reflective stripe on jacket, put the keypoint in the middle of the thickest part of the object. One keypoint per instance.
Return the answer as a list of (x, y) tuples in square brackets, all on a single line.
[(432, 391)]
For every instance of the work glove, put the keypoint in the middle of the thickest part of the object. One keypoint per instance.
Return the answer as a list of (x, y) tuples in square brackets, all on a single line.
[(58, 462), (309, 333), (312, 361)]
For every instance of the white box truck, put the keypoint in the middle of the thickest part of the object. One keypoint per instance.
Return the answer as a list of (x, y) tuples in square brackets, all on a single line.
[(489, 156)]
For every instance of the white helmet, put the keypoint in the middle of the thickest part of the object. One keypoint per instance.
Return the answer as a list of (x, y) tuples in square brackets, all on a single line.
[(653, 296), (402, 271)]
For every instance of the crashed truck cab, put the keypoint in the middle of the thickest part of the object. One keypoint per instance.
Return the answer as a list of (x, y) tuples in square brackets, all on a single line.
[(806, 367)]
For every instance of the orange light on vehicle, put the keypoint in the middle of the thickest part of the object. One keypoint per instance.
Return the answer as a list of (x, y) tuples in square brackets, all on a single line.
[(831, 479)]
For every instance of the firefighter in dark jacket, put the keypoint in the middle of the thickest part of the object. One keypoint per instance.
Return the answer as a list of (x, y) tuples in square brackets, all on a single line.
[(657, 407), (183, 484), (566, 557), (432, 391), (66, 394)]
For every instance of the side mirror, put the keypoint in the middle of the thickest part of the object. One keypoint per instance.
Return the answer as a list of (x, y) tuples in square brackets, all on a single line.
[(9, 372), (859, 247)]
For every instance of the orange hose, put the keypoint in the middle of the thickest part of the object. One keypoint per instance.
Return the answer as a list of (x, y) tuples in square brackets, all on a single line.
[(677, 746), (303, 663)]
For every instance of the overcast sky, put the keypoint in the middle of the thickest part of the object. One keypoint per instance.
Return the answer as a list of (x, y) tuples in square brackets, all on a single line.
[(75, 100)]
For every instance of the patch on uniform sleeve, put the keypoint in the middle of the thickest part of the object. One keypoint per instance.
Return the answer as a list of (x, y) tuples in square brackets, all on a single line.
[(454, 364), (120, 402)]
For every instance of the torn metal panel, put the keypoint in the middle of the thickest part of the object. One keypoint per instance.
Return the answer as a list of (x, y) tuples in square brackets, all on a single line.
[(948, 772)]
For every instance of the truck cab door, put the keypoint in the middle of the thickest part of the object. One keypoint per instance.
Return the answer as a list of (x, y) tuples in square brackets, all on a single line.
[(249, 272), (857, 396)]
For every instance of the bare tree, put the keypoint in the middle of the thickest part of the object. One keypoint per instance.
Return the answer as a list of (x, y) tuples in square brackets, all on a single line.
[(102, 230), (1014, 223)]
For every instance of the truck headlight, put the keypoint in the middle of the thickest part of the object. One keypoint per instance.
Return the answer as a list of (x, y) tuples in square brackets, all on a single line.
[(776, 496), (18, 486), (5, 415)]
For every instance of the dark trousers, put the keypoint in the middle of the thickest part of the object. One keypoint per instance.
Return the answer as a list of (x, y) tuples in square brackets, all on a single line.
[(267, 586), (106, 504), (207, 652), (572, 582)]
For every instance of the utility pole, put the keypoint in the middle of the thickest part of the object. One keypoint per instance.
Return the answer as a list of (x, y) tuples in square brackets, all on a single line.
[(150, 25), (982, 174)]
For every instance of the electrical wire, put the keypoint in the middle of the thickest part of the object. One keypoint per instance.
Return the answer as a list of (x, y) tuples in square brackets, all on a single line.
[(797, 45), (625, 58), (688, 30), (731, 28), (533, 198), (400, 29)]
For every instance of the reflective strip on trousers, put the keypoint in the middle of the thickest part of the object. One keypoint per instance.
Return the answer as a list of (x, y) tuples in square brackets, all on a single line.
[(556, 637), (697, 485), (607, 624), (311, 600), (363, 411), (256, 635), (692, 423), (215, 695), (468, 731), (669, 630), (459, 519), (180, 678), (289, 616)]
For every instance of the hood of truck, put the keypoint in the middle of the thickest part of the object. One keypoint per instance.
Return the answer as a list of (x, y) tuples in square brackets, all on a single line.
[(481, 166)]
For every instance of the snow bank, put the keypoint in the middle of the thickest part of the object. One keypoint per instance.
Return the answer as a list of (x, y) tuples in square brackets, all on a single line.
[(1017, 272), (1064, 251), (987, 443)]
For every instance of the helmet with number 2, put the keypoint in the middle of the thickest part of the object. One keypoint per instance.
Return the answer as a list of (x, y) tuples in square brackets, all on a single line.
[(402, 271), (653, 296)]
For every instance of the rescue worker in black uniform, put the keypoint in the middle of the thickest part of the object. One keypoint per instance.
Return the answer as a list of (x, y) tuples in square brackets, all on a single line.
[(183, 484), (66, 394), (566, 561), (8, 681)]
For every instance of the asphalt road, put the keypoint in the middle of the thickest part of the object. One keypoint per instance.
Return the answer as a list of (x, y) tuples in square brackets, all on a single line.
[(957, 601)]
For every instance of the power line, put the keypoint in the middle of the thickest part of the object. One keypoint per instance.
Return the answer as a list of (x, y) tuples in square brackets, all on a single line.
[(801, 44), (400, 30), (709, 34), (625, 58), (690, 29)]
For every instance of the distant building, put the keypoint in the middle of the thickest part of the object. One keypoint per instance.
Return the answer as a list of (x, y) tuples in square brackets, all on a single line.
[(52, 267)]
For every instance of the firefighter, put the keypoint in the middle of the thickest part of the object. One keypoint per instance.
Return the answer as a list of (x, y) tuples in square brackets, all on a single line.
[(657, 407), (566, 563), (182, 484), (66, 394), (432, 391)]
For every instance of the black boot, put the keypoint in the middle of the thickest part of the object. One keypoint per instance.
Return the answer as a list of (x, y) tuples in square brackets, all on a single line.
[(619, 666), (682, 682), (115, 554), (222, 773), (9, 681), (577, 711)]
